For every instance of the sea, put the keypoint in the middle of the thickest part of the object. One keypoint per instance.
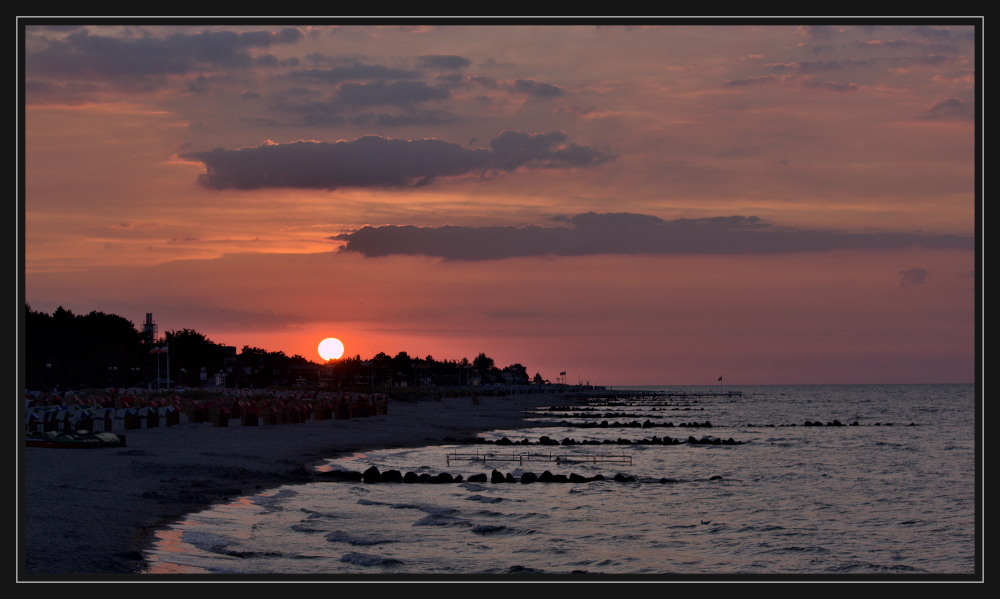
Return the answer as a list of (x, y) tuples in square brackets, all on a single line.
[(806, 481)]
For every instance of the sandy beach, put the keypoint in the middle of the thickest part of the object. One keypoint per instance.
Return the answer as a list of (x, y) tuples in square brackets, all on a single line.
[(89, 513)]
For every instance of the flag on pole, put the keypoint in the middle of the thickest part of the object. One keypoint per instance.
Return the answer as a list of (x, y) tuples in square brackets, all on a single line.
[(720, 378), (159, 350), (563, 373)]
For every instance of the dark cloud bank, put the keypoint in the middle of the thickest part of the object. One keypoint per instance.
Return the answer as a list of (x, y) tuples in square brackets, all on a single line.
[(373, 161), (624, 233), (86, 55)]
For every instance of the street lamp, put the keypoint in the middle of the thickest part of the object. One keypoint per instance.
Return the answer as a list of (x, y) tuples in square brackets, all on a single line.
[(112, 370)]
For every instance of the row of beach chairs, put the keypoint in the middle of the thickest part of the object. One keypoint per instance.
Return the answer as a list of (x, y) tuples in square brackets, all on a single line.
[(129, 413)]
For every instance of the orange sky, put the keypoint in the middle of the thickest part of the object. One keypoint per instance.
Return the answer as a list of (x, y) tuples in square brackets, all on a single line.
[(162, 175)]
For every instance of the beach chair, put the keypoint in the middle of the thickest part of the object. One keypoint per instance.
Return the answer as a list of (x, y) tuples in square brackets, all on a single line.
[(220, 417), (250, 415)]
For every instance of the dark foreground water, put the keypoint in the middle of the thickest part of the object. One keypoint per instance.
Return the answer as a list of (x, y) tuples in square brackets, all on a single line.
[(881, 497)]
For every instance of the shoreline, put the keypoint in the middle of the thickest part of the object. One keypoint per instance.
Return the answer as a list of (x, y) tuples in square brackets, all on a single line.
[(93, 512)]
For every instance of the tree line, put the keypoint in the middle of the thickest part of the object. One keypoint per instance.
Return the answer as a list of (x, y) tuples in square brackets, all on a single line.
[(98, 350)]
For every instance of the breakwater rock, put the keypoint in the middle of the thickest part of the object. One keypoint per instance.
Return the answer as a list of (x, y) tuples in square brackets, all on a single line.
[(373, 475), (635, 424), (545, 440)]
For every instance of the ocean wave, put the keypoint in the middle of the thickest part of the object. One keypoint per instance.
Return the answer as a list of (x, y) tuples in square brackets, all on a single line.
[(364, 501), (271, 502), (304, 528), (343, 537), (866, 568), (441, 520), (499, 529), (436, 510), (529, 516), (206, 541), (523, 570), (794, 549), (769, 497), (488, 529), (314, 514), (249, 554), (484, 499), (366, 559)]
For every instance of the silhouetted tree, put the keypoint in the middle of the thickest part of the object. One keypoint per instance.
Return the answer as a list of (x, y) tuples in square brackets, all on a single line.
[(298, 360), (517, 374), (350, 371), (38, 350), (483, 364), (192, 351), (487, 370), (80, 348), (381, 367)]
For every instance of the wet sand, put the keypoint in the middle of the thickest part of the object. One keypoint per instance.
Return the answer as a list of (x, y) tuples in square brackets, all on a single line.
[(89, 513)]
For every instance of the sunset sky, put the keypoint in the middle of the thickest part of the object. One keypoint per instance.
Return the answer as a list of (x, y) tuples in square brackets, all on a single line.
[(632, 204)]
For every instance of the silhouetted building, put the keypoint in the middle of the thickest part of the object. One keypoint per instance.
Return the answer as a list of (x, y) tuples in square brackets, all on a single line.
[(149, 330)]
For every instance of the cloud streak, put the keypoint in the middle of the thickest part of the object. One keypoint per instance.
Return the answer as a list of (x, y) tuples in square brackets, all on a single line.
[(399, 93), (341, 73), (373, 161), (807, 82), (950, 108), (625, 233), (443, 61)]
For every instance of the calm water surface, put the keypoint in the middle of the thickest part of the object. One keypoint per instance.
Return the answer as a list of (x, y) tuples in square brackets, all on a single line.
[(879, 497)]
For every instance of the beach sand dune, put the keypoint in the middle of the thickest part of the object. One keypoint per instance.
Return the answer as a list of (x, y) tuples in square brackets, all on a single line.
[(93, 511)]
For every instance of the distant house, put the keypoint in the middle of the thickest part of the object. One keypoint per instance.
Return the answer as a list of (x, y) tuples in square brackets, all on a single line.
[(161, 383), (314, 375)]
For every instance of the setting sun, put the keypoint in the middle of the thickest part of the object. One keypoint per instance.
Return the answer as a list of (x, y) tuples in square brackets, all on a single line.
[(330, 348)]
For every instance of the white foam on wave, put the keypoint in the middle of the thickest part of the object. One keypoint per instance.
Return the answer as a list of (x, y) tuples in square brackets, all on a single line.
[(205, 541), (272, 502)]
